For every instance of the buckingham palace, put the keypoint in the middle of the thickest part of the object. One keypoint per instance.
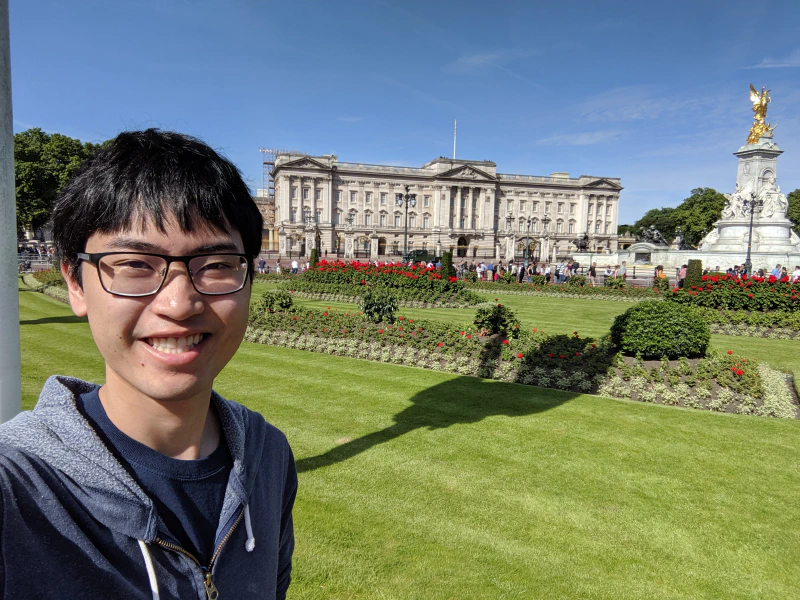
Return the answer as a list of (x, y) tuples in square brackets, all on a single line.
[(356, 210)]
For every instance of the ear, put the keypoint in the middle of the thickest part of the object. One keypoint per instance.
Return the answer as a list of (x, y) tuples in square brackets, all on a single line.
[(76, 298)]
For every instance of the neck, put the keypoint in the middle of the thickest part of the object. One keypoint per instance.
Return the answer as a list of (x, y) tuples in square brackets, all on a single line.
[(184, 428)]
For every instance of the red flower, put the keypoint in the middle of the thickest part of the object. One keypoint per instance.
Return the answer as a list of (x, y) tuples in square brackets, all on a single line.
[(749, 295), (411, 320), (325, 314), (575, 333), (704, 278), (400, 318), (549, 356), (730, 351), (561, 356), (380, 330), (440, 344), (594, 345), (744, 360), (533, 330), (499, 305), (577, 354), (740, 372), (462, 333), (469, 337), (505, 342), (519, 355)]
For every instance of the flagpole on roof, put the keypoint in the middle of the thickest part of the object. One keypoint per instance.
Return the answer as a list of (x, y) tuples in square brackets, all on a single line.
[(10, 362)]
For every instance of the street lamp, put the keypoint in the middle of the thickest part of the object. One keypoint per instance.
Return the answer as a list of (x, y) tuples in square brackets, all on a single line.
[(546, 235), (751, 205), (401, 200), (525, 252)]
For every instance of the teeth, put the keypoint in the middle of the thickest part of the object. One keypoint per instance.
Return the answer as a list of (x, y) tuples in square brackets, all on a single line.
[(175, 345)]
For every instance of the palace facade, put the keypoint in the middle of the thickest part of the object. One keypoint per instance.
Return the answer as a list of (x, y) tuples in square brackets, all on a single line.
[(350, 209)]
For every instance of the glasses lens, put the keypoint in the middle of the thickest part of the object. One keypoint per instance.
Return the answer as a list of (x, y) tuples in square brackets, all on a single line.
[(218, 273), (131, 274)]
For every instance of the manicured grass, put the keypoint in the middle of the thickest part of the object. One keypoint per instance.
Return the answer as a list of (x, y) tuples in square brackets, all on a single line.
[(423, 485)]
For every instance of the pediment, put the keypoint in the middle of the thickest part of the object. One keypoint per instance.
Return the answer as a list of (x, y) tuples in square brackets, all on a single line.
[(603, 183), (305, 162), (466, 172)]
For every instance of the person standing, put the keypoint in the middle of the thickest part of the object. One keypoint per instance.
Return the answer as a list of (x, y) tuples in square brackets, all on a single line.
[(623, 270), (593, 274)]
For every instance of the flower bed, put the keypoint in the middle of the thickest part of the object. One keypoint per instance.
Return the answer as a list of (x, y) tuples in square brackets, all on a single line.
[(557, 290), (407, 284), (745, 293), (775, 324), (718, 382), (57, 289)]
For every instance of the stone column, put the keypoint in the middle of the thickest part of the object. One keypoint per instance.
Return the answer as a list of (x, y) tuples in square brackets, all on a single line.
[(458, 207)]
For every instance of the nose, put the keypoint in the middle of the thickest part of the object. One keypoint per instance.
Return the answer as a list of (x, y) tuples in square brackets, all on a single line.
[(178, 299)]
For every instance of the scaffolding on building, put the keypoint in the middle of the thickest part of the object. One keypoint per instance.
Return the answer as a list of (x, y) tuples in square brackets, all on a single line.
[(265, 196)]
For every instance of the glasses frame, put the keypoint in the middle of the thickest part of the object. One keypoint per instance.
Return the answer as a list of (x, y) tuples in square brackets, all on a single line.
[(95, 257)]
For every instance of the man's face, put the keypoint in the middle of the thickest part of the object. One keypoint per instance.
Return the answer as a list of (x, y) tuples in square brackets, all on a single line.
[(132, 333)]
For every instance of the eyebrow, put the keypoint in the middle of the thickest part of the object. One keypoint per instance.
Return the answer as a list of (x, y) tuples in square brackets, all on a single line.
[(127, 243)]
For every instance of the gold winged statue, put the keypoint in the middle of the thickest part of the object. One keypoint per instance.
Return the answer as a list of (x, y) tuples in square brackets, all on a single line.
[(760, 102)]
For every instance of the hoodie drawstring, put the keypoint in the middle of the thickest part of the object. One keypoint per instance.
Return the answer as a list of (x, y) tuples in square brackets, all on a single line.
[(151, 572), (250, 544)]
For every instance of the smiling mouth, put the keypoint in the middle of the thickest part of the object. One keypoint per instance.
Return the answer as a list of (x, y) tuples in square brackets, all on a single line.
[(176, 345)]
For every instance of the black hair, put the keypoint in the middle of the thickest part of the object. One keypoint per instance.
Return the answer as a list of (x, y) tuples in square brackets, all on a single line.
[(159, 175)]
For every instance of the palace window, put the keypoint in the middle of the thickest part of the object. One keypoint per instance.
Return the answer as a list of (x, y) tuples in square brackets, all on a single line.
[(426, 222), (534, 225), (561, 208), (534, 206), (597, 227), (318, 216), (591, 208), (572, 226), (522, 224), (426, 201), (474, 222), (368, 197), (294, 193), (463, 223), (383, 198), (318, 195), (367, 219), (338, 195), (572, 209), (395, 247), (397, 222), (293, 216), (305, 193), (547, 207), (559, 226), (412, 219), (336, 217), (383, 220), (522, 207), (608, 227)]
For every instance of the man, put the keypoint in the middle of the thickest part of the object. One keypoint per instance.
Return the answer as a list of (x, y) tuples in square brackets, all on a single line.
[(151, 485), (295, 266), (593, 274), (776, 271), (261, 264), (623, 270)]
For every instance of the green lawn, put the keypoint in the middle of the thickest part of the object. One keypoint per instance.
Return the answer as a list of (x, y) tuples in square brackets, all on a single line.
[(423, 485)]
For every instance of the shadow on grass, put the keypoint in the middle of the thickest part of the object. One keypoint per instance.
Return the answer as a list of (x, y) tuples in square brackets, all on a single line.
[(66, 319), (459, 401)]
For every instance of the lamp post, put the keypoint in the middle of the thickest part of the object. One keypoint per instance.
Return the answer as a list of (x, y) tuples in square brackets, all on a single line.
[(751, 205), (525, 252), (546, 235), (406, 199)]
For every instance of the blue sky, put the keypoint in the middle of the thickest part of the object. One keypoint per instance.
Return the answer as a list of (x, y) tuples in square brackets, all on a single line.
[(653, 93)]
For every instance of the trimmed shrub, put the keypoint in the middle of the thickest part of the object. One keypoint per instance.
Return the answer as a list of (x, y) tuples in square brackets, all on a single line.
[(314, 259), (273, 301), (379, 305), (577, 280), (616, 283), (447, 269), (655, 330), (694, 273), (661, 284), (497, 319)]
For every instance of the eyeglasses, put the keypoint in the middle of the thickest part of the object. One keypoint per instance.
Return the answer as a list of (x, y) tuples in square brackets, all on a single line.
[(136, 274)]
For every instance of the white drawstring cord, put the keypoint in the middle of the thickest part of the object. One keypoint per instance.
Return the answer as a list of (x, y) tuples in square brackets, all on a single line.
[(151, 572), (250, 544)]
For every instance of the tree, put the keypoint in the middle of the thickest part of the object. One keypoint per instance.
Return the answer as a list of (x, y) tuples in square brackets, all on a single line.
[(697, 213), (793, 212), (626, 230), (661, 218), (43, 163)]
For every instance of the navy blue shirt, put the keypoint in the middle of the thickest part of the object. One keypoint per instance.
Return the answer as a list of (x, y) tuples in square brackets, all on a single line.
[(188, 494)]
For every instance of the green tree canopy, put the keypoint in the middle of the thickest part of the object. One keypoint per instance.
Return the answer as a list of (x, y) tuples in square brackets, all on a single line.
[(793, 212), (43, 163), (697, 213), (694, 215)]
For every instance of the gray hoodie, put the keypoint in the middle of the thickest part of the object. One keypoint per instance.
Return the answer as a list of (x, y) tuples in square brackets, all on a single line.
[(75, 524)]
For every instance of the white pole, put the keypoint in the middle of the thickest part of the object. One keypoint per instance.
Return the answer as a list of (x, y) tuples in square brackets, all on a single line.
[(10, 362), (454, 139)]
